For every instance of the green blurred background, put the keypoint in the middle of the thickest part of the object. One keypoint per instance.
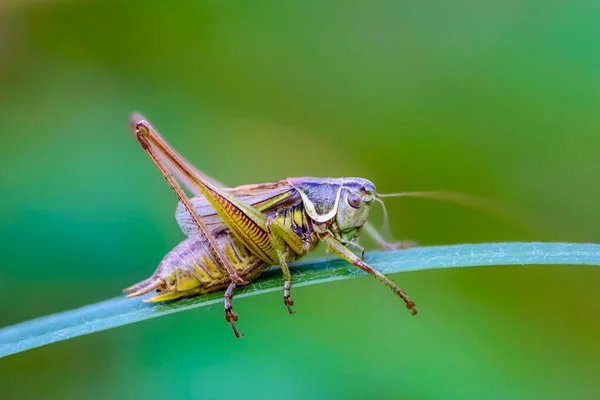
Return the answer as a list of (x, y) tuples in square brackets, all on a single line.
[(497, 99)]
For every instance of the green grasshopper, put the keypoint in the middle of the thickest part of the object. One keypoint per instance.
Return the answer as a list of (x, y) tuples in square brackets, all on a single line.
[(236, 233)]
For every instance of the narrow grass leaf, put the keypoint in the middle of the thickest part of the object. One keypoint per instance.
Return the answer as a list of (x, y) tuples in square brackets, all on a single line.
[(121, 311)]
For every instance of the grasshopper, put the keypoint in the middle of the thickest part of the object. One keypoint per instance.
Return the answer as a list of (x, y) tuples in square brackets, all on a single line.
[(233, 234)]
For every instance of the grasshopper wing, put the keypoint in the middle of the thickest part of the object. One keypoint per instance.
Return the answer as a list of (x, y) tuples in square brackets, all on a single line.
[(264, 197)]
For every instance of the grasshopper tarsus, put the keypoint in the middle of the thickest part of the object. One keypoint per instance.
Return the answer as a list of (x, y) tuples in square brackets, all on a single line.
[(289, 303), (237, 334), (230, 315), (409, 303), (287, 300)]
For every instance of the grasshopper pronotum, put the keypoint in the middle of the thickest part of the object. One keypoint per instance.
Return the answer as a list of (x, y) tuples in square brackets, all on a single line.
[(236, 233)]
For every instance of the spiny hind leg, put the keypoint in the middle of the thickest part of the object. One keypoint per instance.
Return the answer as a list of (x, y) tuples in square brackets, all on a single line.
[(230, 315), (159, 151), (144, 286)]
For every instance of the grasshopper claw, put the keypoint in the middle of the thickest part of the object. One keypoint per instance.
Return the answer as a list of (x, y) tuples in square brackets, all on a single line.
[(411, 306)]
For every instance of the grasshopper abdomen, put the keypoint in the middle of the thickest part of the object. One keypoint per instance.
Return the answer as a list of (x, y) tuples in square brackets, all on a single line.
[(191, 269)]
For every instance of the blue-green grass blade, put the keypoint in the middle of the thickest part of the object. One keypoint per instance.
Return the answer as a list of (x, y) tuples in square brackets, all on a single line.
[(122, 311)]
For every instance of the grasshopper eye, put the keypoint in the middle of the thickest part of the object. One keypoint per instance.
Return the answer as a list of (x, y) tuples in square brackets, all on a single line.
[(354, 200)]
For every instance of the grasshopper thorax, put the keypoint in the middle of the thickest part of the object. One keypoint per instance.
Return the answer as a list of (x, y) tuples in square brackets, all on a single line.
[(343, 204)]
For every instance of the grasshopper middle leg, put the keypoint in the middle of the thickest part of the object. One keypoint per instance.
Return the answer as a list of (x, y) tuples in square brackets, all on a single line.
[(281, 237)]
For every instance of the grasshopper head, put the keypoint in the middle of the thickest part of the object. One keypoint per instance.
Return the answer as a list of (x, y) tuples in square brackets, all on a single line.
[(345, 201), (356, 198)]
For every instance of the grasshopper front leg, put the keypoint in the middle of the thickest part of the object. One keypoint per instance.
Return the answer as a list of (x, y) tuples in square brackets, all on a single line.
[(341, 251)]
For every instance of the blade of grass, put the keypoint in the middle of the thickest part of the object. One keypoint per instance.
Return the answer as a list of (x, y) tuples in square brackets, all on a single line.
[(122, 311)]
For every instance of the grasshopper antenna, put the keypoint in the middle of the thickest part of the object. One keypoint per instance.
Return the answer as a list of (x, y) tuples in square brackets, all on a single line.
[(483, 204), (455, 197), (385, 228)]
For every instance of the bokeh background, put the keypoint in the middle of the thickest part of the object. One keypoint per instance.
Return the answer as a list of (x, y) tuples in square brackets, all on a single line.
[(497, 99)]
